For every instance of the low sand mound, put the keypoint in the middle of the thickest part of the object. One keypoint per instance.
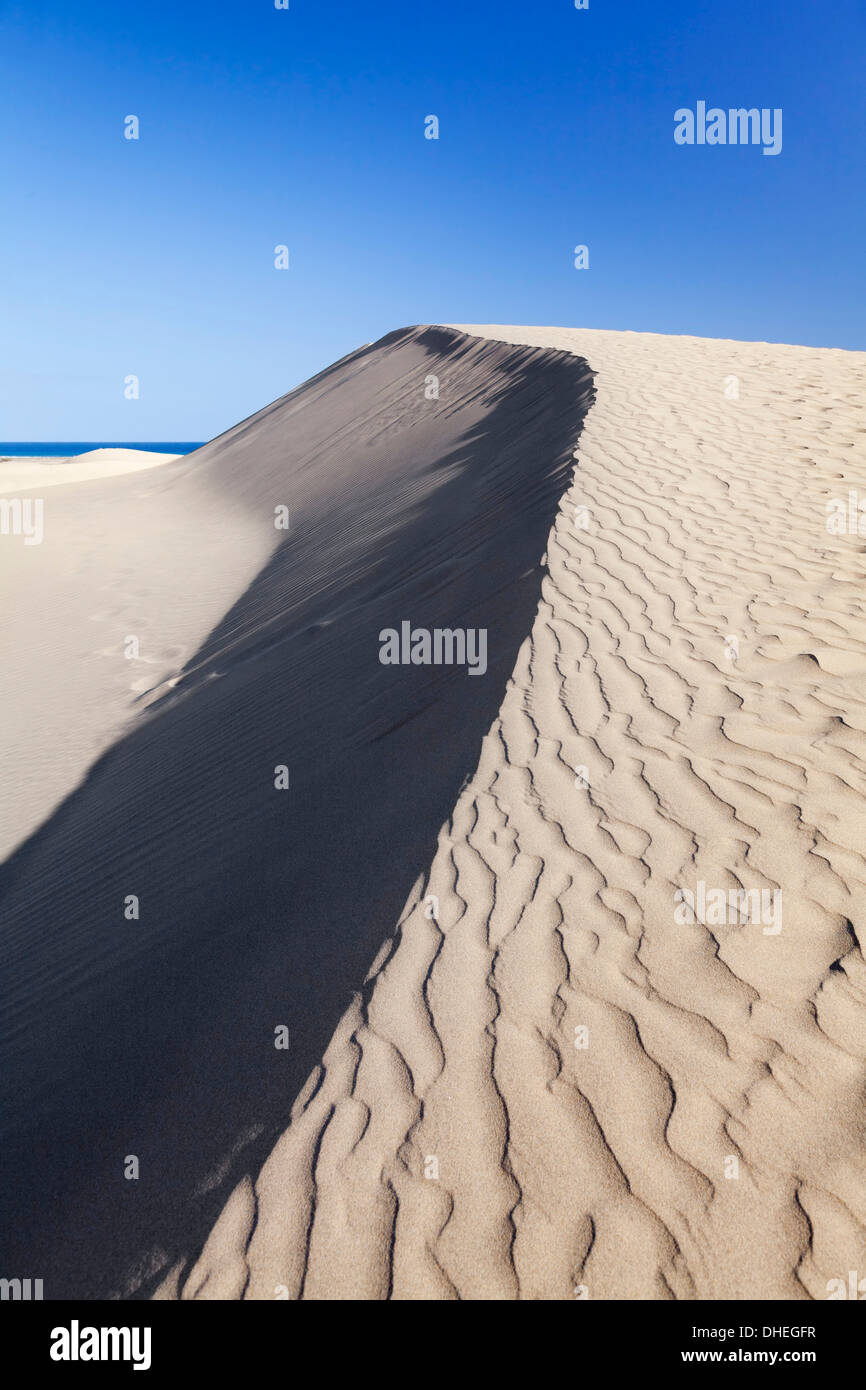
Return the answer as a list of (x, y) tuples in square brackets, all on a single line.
[(33, 474), (421, 476), (551, 1084)]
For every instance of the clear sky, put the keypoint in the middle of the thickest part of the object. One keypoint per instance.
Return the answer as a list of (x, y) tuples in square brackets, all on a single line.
[(305, 127)]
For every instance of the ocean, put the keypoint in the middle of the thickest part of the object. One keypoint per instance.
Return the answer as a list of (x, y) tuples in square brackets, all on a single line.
[(53, 449)]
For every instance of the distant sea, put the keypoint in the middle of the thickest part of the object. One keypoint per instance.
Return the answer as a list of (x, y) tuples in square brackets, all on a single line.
[(41, 449)]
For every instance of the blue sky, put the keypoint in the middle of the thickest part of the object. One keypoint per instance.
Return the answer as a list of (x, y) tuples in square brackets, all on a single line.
[(305, 127)]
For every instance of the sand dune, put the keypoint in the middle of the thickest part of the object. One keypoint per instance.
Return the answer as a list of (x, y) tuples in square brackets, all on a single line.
[(155, 1037), (30, 474), (515, 1070), (455, 1142)]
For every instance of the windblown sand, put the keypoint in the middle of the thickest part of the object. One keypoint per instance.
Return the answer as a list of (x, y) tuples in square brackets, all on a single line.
[(547, 1087)]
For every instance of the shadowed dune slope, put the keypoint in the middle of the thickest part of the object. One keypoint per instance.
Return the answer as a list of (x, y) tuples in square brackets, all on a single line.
[(409, 499)]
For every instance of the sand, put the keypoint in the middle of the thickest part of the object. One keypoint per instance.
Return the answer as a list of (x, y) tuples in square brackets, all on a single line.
[(540, 1083), (113, 564)]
